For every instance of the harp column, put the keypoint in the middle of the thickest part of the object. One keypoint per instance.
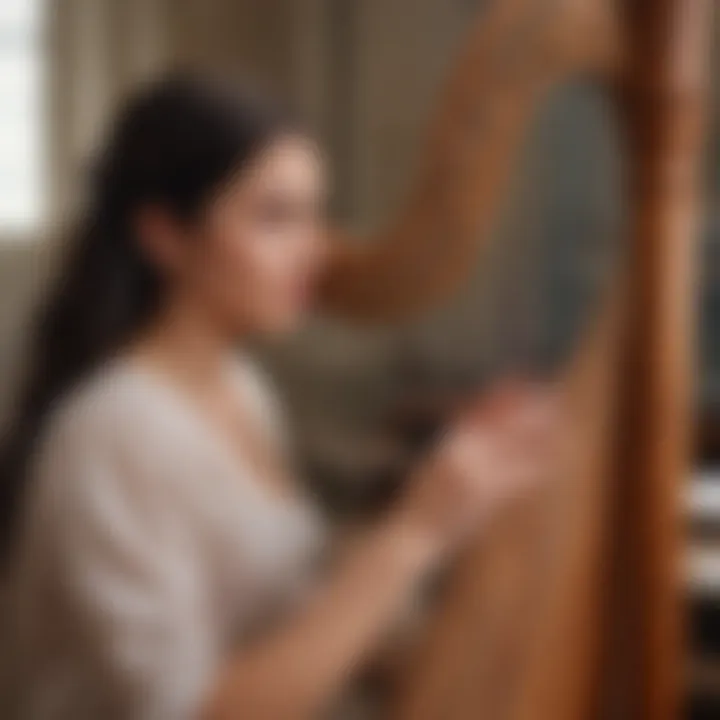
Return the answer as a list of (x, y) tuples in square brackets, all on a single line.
[(665, 96)]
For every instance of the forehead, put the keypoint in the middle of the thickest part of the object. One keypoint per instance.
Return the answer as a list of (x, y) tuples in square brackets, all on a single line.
[(291, 161)]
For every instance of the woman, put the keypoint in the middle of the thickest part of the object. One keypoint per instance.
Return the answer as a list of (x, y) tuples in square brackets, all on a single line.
[(162, 559)]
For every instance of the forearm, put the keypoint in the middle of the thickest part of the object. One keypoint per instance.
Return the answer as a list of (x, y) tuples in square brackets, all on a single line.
[(299, 670)]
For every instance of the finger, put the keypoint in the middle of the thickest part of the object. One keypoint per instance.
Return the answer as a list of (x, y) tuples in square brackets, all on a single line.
[(537, 416), (495, 401)]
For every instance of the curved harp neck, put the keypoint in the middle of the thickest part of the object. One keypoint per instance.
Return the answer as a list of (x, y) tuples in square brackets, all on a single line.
[(514, 55)]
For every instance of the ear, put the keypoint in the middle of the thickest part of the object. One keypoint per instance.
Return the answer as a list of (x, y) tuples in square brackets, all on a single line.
[(161, 237)]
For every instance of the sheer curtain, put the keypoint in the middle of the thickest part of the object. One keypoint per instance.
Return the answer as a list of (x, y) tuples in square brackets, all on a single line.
[(99, 49), (96, 50)]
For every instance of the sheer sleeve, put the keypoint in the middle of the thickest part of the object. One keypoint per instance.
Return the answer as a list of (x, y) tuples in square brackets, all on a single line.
[(129, 582)]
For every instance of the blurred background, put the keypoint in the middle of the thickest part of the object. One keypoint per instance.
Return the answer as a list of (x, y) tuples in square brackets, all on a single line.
[(365, 74)]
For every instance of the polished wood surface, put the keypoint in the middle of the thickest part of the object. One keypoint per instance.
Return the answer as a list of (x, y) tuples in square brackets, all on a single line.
[(663, 96), (568, 607), (519, 626), (515, 55)]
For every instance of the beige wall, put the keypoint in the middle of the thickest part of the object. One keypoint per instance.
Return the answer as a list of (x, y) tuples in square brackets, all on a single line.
[(342, 63), (366, 74)]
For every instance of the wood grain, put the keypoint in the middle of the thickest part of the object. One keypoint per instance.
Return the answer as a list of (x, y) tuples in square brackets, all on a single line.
[(663, 97), (515, 55), (517, 634)]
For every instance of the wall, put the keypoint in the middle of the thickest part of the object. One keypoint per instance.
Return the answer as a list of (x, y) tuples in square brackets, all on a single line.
[(367, 75)]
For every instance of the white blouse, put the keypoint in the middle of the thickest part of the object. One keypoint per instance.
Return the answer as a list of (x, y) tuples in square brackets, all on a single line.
[(147, 554)]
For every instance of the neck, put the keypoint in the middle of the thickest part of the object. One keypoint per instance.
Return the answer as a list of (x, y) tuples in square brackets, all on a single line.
[(188, 344)]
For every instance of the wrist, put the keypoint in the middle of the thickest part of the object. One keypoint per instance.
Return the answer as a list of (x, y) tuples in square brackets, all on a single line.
[(414, 544)]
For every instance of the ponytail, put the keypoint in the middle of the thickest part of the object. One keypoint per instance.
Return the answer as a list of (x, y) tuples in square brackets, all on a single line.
[(174, 145)]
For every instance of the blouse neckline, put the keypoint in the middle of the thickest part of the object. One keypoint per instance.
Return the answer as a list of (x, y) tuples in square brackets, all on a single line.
[(292, 500)]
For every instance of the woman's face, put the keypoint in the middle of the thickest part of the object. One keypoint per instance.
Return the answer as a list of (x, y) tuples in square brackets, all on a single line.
[(254, 255)]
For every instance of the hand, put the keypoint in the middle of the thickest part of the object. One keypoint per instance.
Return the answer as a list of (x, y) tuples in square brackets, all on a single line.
[(501, 447)]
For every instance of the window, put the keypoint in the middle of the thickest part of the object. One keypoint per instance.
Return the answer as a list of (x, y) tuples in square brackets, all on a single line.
[(21, 115)]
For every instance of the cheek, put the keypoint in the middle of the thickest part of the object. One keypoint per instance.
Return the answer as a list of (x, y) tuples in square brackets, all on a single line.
[(259, 277)]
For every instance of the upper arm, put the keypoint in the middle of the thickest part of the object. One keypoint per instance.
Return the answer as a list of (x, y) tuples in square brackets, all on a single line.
[(129, 577)]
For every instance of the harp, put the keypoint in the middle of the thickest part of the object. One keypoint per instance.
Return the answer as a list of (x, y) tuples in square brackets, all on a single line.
[(603, 636)]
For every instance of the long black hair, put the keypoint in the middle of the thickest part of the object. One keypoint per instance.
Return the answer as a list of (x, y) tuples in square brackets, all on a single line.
[(174, 145)]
